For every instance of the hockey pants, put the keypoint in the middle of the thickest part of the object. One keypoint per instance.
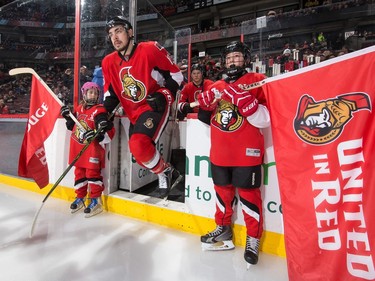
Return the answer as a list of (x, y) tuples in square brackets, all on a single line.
[(251, 204), (88, 178)]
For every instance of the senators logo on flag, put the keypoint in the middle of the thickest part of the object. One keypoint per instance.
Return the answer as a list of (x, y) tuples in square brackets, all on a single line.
[(322, 122), (323, 135), (44, 110)]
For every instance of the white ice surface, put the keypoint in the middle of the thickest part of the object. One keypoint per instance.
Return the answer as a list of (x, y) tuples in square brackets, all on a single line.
[(109, 247)]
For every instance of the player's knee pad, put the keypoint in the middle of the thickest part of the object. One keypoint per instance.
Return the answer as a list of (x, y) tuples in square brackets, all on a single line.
[(225, 193), (142, 147)]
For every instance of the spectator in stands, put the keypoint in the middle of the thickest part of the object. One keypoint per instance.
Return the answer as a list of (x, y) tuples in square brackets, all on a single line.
[(84, 75), (3, 107), (218, 71), (184, 69), (98, 77), (68, 81), (321, 38), (286, 60)]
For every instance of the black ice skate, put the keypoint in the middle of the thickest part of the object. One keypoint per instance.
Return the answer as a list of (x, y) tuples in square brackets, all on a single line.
[(251, 251), (77, 204), (219, 239), (94, 208), (168, 180)]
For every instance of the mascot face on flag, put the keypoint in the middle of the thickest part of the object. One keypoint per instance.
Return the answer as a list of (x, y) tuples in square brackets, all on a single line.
[(322, 122)]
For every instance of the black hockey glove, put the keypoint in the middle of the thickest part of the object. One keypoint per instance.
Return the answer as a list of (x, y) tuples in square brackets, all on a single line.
[(101, 122), (64, 111), (100, 137), (110, 101), (186, 108), (89, 135), (69, 124), (157, 102), (170, 83)]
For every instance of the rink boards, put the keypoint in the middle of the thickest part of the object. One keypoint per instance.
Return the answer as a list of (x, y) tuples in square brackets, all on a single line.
[(196, 214)]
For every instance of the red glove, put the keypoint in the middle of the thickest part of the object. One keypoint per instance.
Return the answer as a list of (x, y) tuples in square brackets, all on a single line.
[(233, 92), (247, 105), (206, 99)]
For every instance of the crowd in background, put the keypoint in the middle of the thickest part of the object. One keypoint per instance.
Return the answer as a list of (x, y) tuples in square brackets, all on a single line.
[(15, 91), (35, 11)]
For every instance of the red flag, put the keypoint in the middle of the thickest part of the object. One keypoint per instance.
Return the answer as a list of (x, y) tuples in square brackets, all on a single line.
[(44, 110), (323, 129)]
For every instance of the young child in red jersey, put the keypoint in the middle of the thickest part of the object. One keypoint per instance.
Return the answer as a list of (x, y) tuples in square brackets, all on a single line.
[(88, 179)]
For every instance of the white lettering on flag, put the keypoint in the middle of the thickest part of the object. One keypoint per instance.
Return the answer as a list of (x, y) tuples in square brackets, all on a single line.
[(39, 113)]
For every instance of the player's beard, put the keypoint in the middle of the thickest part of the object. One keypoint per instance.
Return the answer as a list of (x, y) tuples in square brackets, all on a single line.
[(123, 48), (120, 47)]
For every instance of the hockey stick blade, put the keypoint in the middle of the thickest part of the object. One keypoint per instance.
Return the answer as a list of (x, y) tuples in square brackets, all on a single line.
[(34, 221), (247, 88), (22, 70), (29, 70)]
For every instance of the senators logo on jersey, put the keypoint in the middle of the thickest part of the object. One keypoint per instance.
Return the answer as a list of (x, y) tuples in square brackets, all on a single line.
[(226, 117), (196, 93), (322, 122), (133, 89), (79, 132)]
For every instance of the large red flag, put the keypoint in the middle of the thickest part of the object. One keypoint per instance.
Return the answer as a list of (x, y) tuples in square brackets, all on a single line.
[(323, 129), (44, 110)]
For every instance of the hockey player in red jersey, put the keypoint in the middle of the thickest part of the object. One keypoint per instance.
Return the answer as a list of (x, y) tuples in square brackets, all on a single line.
[(144, 79), (91, 115), (235, 114), (191, 90)]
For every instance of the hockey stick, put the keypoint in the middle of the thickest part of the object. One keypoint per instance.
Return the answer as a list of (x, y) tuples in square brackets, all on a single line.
[(24, 70), (248, 88), (67, 170), (175, 124)]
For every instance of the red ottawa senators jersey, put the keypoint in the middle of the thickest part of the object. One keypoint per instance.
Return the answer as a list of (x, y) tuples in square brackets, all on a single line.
[(132, 80), (190, 92), (234, 141), (94, 156)]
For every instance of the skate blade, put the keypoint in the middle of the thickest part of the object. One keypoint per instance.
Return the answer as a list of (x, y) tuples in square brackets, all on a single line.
[(177, 181), (72, 211), (218, 246), (93, 213), (248, 265)]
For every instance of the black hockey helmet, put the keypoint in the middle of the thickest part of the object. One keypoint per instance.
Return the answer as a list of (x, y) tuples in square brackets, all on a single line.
[(233, 71), (118, 20)]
